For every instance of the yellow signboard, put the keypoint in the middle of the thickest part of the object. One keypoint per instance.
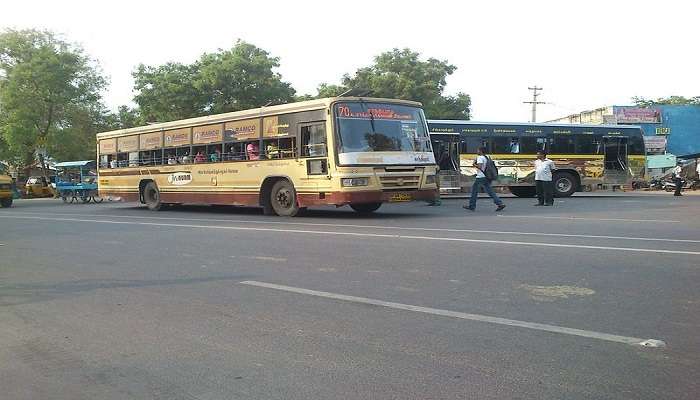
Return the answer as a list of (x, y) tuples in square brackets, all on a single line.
[(128, 143), (151, 140), (177, 137), (108, 146), (207, 134), (243, 130)]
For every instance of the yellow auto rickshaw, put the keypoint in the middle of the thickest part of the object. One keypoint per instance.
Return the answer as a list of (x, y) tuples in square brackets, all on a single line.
[(5, 191), (37, 186)]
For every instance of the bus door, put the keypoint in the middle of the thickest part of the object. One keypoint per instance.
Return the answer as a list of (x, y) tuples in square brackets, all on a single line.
[(314, 155), (616, 167), (446, 151), (615, 153)]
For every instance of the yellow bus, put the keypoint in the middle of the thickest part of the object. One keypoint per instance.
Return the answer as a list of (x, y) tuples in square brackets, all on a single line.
[(339, 151)]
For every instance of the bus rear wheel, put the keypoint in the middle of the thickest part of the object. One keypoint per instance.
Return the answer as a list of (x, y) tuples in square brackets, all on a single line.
[(151, 196), (365, 208), (564, 184), (283, 199), (523, 191)]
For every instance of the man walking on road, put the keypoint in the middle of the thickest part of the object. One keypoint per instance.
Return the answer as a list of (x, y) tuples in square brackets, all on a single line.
[(482, 163), (543, 179)]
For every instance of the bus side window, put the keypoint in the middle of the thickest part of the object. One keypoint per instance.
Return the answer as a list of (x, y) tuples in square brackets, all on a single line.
[(562, 145), (543, 143), (528, 145), (499, 145), (313, 140), (514, 147), (469, 145), (585, 144)]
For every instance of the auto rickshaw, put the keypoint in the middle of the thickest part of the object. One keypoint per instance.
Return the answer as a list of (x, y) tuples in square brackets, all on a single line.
[(38, 186), (5, 191), (77, 180)]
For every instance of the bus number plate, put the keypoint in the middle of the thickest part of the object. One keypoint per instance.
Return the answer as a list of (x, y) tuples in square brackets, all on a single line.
[(396, 197)]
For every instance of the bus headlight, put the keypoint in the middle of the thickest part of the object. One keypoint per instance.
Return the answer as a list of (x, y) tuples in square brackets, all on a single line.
[(349, 182), (430, 179)]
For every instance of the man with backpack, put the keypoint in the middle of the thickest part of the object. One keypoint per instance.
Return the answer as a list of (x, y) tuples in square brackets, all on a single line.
[(486, 172)]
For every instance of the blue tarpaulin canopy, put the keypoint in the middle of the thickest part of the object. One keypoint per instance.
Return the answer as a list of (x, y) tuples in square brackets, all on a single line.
[(74, 163)]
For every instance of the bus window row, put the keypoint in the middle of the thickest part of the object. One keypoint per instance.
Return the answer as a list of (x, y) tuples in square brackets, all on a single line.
[(313, 145), (569, 144)]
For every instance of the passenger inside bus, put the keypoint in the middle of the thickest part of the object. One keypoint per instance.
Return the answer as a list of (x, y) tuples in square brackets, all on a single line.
[(253, 151), (199, 158)]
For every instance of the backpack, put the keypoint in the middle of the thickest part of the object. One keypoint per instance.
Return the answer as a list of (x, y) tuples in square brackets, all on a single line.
[(490, 169)]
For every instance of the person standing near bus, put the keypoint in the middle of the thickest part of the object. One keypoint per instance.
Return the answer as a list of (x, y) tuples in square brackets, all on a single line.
[(678, 179), (543, 179), (481, 163)]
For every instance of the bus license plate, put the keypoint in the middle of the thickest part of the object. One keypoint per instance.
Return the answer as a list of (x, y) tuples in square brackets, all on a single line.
[(396, 197)]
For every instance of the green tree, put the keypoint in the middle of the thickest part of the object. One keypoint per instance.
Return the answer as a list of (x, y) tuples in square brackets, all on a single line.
[(228, 80), (671, 100), (49, 97), (401, 74)]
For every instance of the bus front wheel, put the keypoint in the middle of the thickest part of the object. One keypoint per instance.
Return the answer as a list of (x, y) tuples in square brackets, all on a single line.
[(564, 184), (283, 199), (151, 196), (366, 208)]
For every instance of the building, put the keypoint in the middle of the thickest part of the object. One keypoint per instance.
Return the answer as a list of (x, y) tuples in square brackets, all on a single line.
[(673, 129)]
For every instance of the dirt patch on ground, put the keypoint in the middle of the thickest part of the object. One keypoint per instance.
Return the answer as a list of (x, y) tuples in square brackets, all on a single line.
[(553, 293)]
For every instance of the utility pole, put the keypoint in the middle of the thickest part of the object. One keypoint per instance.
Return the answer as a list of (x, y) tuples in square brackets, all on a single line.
[(534, 101)]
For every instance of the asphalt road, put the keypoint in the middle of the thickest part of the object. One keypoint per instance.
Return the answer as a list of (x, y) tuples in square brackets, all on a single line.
[(112, 301)]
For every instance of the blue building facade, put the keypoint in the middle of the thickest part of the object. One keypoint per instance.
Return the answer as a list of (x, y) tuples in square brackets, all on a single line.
[(679, 124)]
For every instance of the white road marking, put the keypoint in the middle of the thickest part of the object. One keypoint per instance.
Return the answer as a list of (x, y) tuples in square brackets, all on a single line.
[(589, 219), (358, 234), (386, 227), (455, 314)]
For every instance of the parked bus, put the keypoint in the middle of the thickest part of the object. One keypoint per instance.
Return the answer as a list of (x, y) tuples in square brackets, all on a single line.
[(585, 155), (352, 151)]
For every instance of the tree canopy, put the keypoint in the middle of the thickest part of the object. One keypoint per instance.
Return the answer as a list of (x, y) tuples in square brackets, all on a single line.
[(671, 100), (229, 80), (49, 98), (401, 74)]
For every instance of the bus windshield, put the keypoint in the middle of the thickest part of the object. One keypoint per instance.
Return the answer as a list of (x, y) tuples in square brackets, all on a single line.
[(380, 127)]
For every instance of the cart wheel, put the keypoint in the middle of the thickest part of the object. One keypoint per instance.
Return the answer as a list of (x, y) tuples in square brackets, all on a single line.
[(97, 199), (64, 198)]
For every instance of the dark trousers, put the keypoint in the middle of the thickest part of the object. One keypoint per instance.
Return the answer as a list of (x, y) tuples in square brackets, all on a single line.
[(679, 186), (545, 192)]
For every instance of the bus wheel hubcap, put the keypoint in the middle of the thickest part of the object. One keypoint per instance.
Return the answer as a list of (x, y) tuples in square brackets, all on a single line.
[(563, 185), (284, 198)]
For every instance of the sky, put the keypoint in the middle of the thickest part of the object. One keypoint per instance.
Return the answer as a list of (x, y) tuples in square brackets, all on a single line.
[(584, 54)]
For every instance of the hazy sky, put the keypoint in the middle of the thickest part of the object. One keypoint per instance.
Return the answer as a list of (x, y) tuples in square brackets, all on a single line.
[(584, 54)]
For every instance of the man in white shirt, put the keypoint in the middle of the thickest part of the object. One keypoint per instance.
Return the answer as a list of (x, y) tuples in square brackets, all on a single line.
[(481, 163), (697, 169), (678, 179), (543, 179)]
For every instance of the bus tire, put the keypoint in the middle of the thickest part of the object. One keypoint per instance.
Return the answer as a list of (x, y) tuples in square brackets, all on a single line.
[(523, 191), (151, 196), (6, 202), (565, 184), (283, 199), (365, 208)]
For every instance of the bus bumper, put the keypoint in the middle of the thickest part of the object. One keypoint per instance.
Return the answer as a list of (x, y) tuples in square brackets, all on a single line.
[(344, 198)]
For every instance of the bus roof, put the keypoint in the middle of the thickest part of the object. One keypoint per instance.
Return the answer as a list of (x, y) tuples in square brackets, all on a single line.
[(252, 113), (463, 122)]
